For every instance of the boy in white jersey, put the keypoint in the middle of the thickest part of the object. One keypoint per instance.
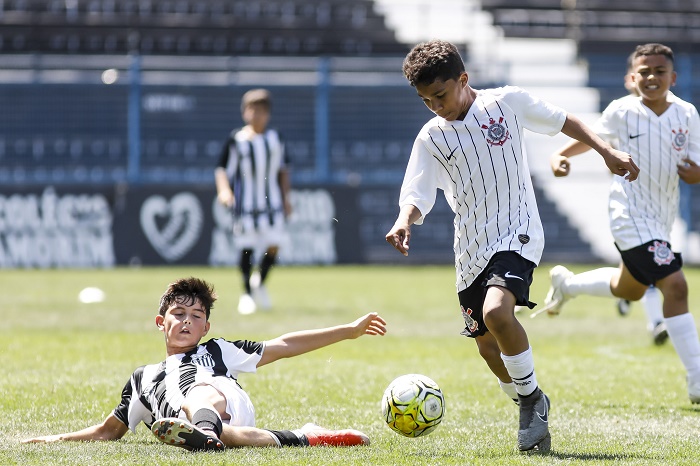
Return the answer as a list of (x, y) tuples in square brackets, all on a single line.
[(473, 151), (651, 301), (663, 133), (252, 180), (193, 400)]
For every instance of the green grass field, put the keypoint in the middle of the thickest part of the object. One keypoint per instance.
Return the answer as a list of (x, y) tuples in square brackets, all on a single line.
[(616, 398)]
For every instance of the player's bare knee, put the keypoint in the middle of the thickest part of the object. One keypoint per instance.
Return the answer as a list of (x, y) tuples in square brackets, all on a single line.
[(497, 318)]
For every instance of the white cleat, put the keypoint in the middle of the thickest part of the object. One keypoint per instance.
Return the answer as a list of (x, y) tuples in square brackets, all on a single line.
[(262, 298), (246, 304), (556, 297)]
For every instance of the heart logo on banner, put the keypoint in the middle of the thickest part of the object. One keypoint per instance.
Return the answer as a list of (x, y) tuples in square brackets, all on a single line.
[(180, 220)]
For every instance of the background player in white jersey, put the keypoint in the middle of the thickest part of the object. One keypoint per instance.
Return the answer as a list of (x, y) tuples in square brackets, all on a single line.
[(651, 301), (663, 134), (473, 150), (193, 399), (252, 180)]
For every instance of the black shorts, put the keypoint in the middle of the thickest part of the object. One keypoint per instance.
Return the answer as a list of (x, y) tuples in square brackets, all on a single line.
[(507, 269), (651, 261)]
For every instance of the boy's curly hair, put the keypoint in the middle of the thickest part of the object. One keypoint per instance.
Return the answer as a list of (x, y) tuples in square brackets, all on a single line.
[(432, 60), (188, 291), (653, 49)]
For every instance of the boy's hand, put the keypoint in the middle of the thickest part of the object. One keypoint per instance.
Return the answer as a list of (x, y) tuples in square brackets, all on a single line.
[(370, 324), (621, 163), (400, 236), (689, 171), (227, 198), (560, 165)]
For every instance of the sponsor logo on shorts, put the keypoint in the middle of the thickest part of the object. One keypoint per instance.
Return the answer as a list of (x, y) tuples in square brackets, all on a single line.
[(510, 275), (662, 253)]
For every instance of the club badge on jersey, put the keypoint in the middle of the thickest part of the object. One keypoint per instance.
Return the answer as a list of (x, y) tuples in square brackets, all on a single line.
[(496, 133), (680, 139), (472, 325), (662, 253)]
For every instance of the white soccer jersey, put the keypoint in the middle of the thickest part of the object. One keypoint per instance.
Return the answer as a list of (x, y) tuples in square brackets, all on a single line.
[(645, 209), (156, 391), (479, 164), (253, 167)]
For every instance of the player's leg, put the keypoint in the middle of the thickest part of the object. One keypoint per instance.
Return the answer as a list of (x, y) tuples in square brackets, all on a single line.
[(652, 303), (508, 282), (246, 304), (681, 328), (257, 281), (491, 353), (203, 406)]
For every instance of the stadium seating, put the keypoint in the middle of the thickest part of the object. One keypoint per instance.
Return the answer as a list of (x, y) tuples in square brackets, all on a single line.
[(196, 27), (598, 25)]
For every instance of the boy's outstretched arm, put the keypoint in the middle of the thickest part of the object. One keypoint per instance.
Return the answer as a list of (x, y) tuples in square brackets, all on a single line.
[(400, 234), (110, 429), (618, 162), (296, 343)]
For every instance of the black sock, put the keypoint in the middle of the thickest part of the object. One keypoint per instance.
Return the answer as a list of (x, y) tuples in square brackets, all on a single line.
[(206, 419), (246, 265), (287, 438), (266, 264)]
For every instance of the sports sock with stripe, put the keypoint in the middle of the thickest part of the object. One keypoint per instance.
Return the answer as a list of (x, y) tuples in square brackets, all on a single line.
[(521, 369)]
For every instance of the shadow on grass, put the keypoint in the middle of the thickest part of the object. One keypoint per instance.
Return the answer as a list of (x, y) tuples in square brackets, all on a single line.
[(562, 455)]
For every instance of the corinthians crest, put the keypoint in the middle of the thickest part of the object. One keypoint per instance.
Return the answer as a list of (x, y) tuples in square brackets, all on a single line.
[(662, 253), (471, 324), (680, 139), (496, 133)]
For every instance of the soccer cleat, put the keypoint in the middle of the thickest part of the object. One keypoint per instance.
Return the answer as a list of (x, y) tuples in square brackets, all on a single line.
[(246, 305), (183, 434), (318, 436), (694, 391), (623, 307), (262, 298), (659, 333), (533, 433), (556, 297)]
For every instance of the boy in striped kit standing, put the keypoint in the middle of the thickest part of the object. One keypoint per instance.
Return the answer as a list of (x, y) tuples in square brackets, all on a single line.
[(252, 179)]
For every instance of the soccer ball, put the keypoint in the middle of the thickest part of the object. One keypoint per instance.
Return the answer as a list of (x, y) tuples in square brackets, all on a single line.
[(413, 405)]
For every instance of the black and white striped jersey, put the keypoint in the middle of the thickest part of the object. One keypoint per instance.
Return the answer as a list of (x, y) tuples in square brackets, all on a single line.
[(253, 165), (156, 391), (479, 164), (645, 209)]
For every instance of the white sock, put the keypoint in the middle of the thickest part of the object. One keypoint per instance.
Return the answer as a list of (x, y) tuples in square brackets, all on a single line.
[(684, 336), (653, 306), (521, 369), (508, 389), (594, 282)]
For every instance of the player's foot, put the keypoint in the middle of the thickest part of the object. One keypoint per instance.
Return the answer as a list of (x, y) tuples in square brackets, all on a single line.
[(556, 297), (534, 422), (246, 304), (262, 298), (659, 333), (694, 391), (318, 436), (623, 307), (183, 434)]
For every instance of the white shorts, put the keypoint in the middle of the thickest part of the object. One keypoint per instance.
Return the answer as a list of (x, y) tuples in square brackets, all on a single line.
[(247, 236), (238, 405)]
